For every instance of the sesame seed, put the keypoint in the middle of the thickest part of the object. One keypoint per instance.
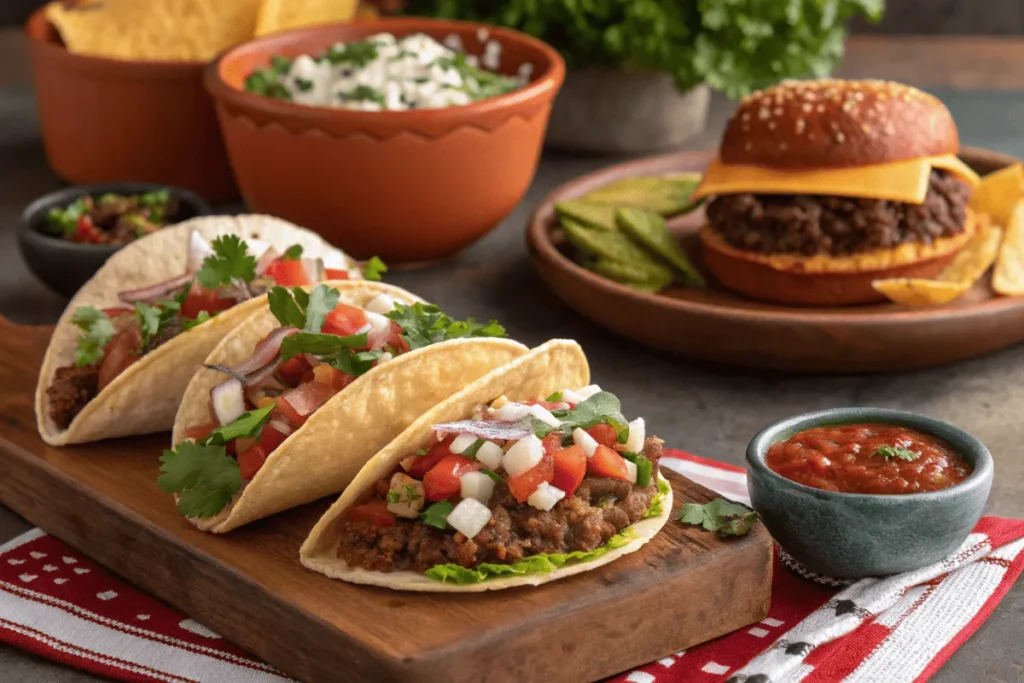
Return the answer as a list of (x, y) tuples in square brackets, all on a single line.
[(889, 129), (800, 125), (866, 128), (859, 96), (807, 107), (771, 125), (782, 146), (849, 106), (840, 138), (778, 111), (821, 108), (749, 146), (746, 116), (746, 127)]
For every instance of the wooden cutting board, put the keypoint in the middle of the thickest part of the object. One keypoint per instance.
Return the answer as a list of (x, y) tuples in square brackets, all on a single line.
[(685, 587)]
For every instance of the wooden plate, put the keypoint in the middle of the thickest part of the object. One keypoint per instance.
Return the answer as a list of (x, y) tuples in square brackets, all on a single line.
[(718, 325), (684, 587)]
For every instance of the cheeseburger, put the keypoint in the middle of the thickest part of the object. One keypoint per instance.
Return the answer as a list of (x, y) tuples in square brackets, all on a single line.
[(822, 186)]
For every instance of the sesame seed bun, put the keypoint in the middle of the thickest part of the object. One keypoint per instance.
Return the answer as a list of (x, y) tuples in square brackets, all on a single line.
[(837, 124)]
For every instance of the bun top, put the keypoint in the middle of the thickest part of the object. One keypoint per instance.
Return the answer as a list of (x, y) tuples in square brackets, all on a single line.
[(837, 124)]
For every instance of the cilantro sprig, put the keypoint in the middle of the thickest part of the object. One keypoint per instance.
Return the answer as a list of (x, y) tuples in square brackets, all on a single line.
[(323, 345), (426, 324), (721, 516), (890, 452), (292, 253), (601, 408), (302, 310), (437, 514), (97, 331), (374, 268), (229, 261)]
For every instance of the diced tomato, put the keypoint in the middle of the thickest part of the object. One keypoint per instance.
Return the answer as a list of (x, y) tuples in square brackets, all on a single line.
[(607, 463), (344, 321), (604, 434), (296, 405), (422, 464), (335, 274), (442, 481), (200, 431), (552, 443), (200, 299), (119, 353), (288, 273), (86, 231), (251, 459), (570, 468), (395, 340), (117, 311), (292, 370), (374, 512), (526, 483)]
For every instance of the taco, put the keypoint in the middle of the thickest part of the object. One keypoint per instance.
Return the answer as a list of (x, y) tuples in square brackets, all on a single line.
[(296, 399), (525, 476), (155, 310)]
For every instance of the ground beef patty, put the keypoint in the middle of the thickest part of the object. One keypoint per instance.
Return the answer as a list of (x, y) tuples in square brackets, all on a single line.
[(839, 226), (71, 389), (598, 510)]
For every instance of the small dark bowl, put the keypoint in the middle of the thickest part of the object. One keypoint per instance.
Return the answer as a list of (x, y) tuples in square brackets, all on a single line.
[(64, 266), (852, 535)]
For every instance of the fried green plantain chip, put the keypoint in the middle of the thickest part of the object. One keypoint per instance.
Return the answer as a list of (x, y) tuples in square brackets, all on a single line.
[(592, 214), (665, 195), (649, 230)]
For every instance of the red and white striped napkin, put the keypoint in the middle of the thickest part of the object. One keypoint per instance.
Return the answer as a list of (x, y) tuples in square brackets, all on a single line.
[(57, 603)]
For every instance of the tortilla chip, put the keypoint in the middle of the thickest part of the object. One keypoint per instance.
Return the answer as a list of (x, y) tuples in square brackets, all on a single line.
[(129, 405), (919, 292), (553, 366), (977, 256), (283, 15), (1008, 277), (998, 192), (164, 30), (321, 457)]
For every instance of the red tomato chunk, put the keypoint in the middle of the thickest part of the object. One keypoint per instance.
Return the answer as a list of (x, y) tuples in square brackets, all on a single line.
[(845, 458)]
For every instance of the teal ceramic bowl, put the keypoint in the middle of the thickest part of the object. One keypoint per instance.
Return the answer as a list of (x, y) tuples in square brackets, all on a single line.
[(853, 535)]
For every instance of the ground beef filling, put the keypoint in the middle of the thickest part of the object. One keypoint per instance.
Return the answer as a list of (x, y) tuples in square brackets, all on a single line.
[(599, 509), (71, 389), (839, 226)]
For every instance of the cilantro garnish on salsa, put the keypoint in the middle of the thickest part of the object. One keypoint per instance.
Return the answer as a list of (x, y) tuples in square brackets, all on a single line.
[(113, 218)]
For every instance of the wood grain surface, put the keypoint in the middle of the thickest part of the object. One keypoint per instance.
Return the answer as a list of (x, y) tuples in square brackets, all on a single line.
[(718, 325), (249, 586)]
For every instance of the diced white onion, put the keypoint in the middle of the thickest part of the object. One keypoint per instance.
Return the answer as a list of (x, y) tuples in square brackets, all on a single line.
[(256, 247), (198, 249), (461, 443), (381, 304), (228, 401), (630, 471), (476, 485), (281, 426), (570, 396), (380, 330), (490, 455), (405, 507), (637, 434), (545, 416), (511, 412), (545, 497), (384, 357), (469, 517), (588, 391), (523, 456), (334, 260), (584, 441)]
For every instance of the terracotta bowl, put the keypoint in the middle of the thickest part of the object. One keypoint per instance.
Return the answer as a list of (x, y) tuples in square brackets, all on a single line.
[(407, 185), (108, 120)]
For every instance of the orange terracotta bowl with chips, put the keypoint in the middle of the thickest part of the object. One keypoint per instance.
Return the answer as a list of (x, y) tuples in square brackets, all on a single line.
[(407, 186), (108, 120)]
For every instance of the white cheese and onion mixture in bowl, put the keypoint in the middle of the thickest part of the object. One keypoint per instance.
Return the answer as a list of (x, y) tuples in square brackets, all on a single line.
[(382, 73)]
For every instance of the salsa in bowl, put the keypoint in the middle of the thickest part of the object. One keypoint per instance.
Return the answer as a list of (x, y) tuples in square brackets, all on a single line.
[(856, 492)]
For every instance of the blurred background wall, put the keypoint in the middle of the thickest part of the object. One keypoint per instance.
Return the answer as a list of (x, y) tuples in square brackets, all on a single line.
[(994, 17)]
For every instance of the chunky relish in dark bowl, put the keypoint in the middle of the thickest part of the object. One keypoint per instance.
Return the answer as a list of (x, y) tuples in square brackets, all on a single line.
[(856, 492)]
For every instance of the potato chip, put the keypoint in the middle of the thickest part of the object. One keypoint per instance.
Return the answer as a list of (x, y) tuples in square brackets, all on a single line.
[(168, 30), (282, 15), (919, 292), (998, 192), (977, 256), (1008, 277)]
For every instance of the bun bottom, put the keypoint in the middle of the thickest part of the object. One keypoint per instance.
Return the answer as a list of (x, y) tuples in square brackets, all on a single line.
[(825, 280)]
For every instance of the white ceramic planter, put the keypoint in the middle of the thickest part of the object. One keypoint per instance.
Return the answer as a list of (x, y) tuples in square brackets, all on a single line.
[(609, 111)]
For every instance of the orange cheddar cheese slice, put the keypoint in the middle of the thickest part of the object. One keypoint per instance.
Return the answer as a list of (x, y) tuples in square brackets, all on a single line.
[(901, 181)]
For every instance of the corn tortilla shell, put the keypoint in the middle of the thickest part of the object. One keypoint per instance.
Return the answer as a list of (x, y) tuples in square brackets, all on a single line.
[(553, 366), (1008, 277), (998, 192), (977, 256), (145, 397), (920, 292), (322, 457)]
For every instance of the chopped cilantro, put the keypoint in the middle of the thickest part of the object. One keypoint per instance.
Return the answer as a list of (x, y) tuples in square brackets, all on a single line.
[(644, 468), (363, 93), (293, 253), (189, 323), (393, 496), (720, 515), (357, 54), (601, 408), (492, 474), (374, 268), (319, 344), (473, 448), (205, 478), (296, 308), (412, 494), (248, 426), (322, 300), (555, 397), (355, 363), (890, 452), (422, 451), (97, 331), (304, 84), (425, 324), (66, 220), (437, 514), (230, 261)]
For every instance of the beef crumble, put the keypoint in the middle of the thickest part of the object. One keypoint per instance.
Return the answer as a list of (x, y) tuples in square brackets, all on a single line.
[(71, 389), (839, 226), (599, 509)]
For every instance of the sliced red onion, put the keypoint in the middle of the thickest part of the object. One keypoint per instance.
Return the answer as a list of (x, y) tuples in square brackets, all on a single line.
[(157, 292), (314, 268), (227, 371), (269, 256), (486, 429), (228, 401), (266, 351), (198, 250)]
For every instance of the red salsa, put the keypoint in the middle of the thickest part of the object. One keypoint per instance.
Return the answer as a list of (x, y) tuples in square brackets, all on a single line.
[(867, 458)]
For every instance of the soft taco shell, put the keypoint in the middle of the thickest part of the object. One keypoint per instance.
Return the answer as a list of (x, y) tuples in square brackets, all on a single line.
[(321, 457), (144, 398), (556, 365)]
